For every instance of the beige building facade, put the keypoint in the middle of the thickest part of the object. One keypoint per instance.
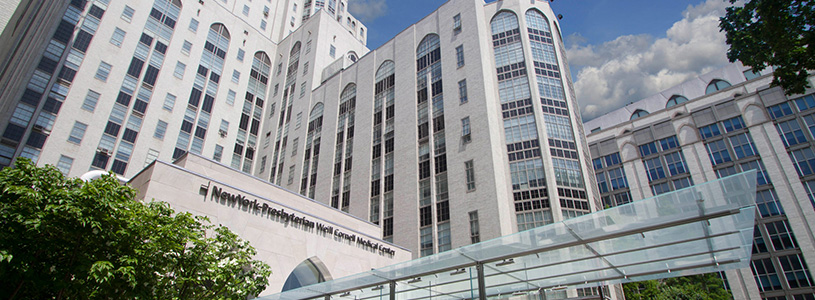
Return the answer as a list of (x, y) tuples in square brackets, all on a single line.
[(286, 229)]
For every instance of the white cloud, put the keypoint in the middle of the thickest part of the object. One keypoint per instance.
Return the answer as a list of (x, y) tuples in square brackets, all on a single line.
[(633, 67), (367, 10)]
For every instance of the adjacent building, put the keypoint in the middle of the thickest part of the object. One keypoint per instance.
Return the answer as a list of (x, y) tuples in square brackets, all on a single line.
[(727, 121)]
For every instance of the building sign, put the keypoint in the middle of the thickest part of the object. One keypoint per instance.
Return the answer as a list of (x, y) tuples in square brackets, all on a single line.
[(239, 201)]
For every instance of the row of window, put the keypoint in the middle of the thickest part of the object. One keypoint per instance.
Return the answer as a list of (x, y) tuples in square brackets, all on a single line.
[(713, 86)]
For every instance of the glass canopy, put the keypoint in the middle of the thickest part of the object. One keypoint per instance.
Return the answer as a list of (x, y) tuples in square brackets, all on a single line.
[(700, 229)]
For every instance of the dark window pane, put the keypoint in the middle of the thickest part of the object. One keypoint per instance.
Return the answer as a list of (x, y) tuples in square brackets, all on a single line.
[(31, 97), (83, 39), (36, 139), (52, 105), (130, 135)]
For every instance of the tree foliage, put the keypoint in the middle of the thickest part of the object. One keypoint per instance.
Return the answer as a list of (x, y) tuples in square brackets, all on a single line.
[(64, 238), (695, 287), (776, 33)]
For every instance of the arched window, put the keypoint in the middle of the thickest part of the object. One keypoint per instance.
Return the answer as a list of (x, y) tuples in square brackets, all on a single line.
[(536, 20), (221, 30), (202, 97), (638, 114), (383, 147), (295, 49), (431, 134), (352, 56), (716, 85), (316, 114), (504, 21), (341, 183), (676, 99), (312, 151), (285, 114), (308, 272)]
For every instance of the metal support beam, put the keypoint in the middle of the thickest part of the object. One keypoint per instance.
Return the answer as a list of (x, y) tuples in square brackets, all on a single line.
[(392, 285), (482, 290)]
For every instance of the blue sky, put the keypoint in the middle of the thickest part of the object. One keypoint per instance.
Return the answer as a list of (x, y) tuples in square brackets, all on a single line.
[(619, 51)]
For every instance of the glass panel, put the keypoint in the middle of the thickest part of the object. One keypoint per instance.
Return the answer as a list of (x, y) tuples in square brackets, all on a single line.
[(701, 229)]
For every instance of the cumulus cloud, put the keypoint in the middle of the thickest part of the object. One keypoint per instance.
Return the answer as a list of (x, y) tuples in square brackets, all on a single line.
[(367, 10), (632, 67)]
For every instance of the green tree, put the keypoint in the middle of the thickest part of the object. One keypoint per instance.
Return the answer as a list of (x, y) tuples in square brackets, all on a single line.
[(695, 287), (64, 238), (776, 33)]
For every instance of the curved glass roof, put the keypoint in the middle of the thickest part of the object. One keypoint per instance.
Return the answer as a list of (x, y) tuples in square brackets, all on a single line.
[(700, 229)]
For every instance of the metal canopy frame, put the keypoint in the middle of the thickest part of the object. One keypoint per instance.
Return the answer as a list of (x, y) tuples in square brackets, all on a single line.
[(700, 229)]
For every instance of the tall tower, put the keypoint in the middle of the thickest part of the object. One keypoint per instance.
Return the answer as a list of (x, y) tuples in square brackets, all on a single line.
[(462, 128)]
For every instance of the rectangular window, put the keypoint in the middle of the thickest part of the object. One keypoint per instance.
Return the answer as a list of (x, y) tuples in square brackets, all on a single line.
[(241, 54), (617, 178), (179, 70), (717, 151), (654, 168), (299, 120), (77, 133), (648, 149), (294, 146), (186, 47), (291, 175), (465, 129), (152, 155), (426, 242), (117, 37), (462, 91), (444, 237), (305, 68), (90, 101), (469, 171), (676, 163), (795, 271), (710, 131), (780, 235), (602, 183), (245, 10), (779, 110), (263, 24), (302, 89), (765, 274), (805, 103), (768, 204), (460, 56), (332, 51), (103, 71), (804, 161), (742, 145), (161, 128), (219, 151), (193, 25), (790, 132), (475, 230), (236, 76), (127, 13), (457, 23), (64, 164), (169, 102), (230, 97)]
